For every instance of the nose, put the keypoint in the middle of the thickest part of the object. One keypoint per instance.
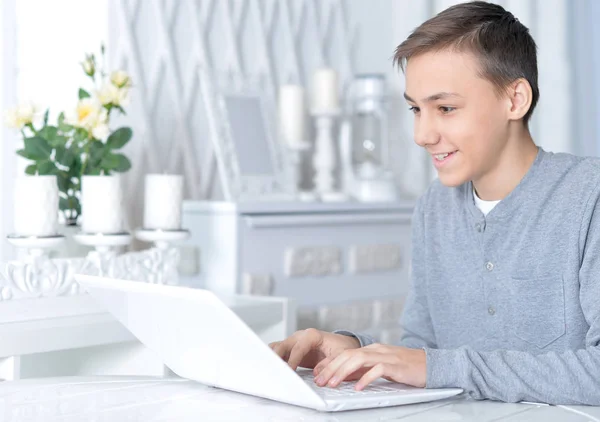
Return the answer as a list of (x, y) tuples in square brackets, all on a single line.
[(426, 133)]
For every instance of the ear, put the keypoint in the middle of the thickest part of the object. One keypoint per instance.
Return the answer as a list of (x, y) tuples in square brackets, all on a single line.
[(520, 96)]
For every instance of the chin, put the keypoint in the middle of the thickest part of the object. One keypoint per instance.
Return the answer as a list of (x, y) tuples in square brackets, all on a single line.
[(452, 180)]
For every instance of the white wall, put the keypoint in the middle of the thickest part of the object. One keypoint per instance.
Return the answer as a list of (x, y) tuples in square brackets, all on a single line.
[(7, 139), (52, 41), (375, 29)]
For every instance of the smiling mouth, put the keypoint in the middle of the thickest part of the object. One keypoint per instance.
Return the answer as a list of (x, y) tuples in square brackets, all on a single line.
[(442, 157)]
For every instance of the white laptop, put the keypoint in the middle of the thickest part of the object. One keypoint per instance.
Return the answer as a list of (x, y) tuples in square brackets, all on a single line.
[(199, 338)]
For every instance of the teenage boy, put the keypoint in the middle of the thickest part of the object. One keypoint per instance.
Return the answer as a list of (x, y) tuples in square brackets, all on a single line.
[(505, 284)]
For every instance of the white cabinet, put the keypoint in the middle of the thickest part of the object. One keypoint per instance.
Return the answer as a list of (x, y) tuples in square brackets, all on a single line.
[(316, 253)]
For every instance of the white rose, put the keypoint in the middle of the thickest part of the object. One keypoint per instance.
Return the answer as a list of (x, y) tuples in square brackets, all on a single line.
[(100, 131), (121, 97), (120, 79), (26, 113), (108, 93), (21, 115), (12, 119), (88, 114), (89, 67)]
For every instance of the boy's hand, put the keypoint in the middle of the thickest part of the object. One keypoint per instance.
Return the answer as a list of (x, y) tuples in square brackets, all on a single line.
[(306, 348), (398, 364)]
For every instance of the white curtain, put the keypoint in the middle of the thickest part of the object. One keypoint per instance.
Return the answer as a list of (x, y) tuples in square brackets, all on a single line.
[(585, 59)]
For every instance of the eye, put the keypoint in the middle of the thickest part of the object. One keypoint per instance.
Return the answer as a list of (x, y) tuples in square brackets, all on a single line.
[(414, 109), (446, 110)]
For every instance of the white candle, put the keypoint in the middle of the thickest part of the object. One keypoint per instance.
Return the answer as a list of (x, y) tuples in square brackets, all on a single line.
[(292, 115), (36, 206), (325, 91), (163, 194), (102, 204)]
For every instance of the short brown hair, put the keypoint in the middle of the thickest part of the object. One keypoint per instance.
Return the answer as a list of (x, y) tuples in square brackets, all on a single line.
[(501, 43)]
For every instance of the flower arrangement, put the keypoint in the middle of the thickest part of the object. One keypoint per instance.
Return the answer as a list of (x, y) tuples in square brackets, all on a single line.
[(81, 142)]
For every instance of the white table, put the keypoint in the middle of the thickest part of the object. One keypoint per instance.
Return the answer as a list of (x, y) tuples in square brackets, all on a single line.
[(72, 335), (146, 399)]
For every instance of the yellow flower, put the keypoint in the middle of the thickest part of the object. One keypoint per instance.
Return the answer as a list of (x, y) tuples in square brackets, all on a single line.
[(90, 115)]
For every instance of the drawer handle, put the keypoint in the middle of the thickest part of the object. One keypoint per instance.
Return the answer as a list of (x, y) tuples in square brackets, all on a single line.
[(325, 220)]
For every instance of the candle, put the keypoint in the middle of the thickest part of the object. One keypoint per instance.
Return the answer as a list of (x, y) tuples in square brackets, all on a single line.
[(325, 91), (36, 206), (101, 204), (162, 201), (291, 114)]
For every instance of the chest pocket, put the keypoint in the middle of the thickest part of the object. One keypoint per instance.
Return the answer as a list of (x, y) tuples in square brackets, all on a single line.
[(538, 309)]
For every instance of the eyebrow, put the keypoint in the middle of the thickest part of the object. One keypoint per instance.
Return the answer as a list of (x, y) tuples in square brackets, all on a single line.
[(435, 97)]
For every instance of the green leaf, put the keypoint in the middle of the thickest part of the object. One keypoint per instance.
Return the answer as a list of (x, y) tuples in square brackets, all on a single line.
[(24, 154), (37, 148), (109, 162), (116, 162), (63, 204), (64, 127), (97, 149), (46, 117), (64, 156), (48, 132), (80, 135), (83, 93), (59, 141), (47, 168), (69, 203), (63, 182), (119, 138), (31, 169), (124, 163)]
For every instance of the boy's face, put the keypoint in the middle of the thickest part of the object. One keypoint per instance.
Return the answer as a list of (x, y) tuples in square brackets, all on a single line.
[(457, 112)]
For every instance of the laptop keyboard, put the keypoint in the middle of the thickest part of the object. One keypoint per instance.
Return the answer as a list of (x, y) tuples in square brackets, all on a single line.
[(346, 388)]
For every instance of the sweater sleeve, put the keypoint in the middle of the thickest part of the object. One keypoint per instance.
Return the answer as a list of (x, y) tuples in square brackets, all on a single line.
[(568, 377)]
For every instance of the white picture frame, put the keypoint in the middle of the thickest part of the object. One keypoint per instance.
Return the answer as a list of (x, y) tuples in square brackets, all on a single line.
[(241, 116)]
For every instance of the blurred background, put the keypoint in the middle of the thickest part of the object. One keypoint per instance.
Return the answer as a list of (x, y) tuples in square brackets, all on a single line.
[(164, 46)]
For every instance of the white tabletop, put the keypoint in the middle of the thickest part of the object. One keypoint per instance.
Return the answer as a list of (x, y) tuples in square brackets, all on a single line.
[(172, 399)]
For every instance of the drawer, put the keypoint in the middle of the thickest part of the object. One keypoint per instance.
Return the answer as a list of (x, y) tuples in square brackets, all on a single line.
[(320, 259)]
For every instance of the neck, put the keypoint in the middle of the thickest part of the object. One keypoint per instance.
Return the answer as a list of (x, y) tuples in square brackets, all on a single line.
[(513, 163)]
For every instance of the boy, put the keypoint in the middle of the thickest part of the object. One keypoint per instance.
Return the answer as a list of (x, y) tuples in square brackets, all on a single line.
[(505, 284)]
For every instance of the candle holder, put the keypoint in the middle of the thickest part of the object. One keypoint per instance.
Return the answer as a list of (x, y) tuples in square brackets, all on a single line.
[(324, 159), (103, 258), (103, 242), (36, 246), (297, 149), (163, 258)]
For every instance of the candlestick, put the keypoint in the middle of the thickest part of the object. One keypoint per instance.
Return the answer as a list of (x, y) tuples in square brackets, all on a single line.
[(325, 160), (325, 98), (36, 206), (162, 201), (36, 246), (102, 204), (165, 256), (292, 116)]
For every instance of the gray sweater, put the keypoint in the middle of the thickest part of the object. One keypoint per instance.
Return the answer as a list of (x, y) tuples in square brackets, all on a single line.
[(507, 306)]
